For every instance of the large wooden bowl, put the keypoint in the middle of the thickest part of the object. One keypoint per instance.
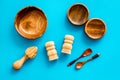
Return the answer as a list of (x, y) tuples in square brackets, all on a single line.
[(31, 22), (95, 28), (78, 14)]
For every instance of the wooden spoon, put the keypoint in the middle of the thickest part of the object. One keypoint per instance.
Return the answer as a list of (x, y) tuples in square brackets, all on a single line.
[(80, 64), (85, 53)]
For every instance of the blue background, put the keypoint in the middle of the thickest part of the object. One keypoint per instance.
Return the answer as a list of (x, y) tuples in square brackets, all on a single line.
[(12, 45)]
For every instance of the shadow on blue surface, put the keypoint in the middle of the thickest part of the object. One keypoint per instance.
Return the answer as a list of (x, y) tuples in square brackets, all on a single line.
[(48, 63), (88, 41), (63, 57), (80, 29), (21, 41), (28, 62), (72, 27)]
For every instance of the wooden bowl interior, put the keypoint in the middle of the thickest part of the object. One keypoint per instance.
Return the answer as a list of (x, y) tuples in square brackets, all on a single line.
[(31, 22), (95, 28), (78, 14)]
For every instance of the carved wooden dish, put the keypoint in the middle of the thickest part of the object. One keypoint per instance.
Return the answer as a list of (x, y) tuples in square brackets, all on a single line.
[(31, 22), (78, 14), (95, 28)]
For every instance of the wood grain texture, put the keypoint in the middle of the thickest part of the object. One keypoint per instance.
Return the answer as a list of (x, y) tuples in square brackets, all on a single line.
[(29, 54), (95, 28), (67, 45), (31, 22), (78, 14), (51, 50)]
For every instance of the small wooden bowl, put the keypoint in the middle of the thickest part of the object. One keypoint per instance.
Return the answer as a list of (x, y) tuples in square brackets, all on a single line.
[(78, 14), (95, 28), (31, 22)]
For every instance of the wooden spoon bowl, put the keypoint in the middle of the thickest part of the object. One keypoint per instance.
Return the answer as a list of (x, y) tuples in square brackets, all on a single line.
[(78, 14), (31, 22), (95, 28)]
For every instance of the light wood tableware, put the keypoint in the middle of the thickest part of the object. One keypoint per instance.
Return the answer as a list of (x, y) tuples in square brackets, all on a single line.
[(29, 54), (51, 50), (67, 45), (31, 22)]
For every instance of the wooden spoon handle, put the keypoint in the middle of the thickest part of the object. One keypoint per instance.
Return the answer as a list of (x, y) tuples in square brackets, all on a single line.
[(93, 57), (18, 64), (72, 62)]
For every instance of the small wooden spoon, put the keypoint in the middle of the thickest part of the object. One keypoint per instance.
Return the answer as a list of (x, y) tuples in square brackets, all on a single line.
[(85, 53), (80, 64)]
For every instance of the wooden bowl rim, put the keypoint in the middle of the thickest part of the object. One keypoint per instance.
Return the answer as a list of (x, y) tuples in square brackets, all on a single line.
[(89, 22), (73, 6), (15, 20)]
